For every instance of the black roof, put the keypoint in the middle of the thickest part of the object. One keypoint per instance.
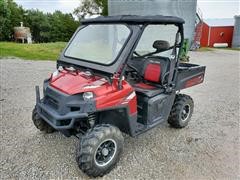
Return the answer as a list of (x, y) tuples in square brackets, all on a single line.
[(134, 19)]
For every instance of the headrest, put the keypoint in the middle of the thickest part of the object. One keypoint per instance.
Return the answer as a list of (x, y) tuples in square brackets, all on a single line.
[(161, 45)]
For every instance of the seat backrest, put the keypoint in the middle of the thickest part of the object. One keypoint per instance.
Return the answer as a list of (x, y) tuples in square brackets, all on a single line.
[(155, 68), (152, 72)]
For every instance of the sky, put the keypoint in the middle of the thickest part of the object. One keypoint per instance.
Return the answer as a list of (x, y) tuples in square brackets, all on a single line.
[(66, 6), (210, 8)]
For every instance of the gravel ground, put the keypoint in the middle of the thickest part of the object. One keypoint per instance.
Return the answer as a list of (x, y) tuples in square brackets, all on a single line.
[(207, 149)]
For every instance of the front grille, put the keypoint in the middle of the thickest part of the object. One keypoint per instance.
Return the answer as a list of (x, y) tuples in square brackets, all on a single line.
[(48, 116), (52, 102), (73, 109), (53, 93), (63, 103)]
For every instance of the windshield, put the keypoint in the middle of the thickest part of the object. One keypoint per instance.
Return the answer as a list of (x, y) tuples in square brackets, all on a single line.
[(98, 43)]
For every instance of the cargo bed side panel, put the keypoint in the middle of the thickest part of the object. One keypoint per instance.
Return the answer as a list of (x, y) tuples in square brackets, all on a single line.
[(189, 75)]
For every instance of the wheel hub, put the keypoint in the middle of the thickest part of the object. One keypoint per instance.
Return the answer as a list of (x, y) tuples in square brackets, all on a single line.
[(105, 152), (185, 112)]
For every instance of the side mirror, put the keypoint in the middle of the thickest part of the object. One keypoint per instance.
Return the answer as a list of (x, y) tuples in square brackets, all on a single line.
[(161, 45)]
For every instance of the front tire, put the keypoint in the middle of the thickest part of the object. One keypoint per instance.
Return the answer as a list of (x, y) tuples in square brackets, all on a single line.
[(40, 123), (181, 112), (100, 150)]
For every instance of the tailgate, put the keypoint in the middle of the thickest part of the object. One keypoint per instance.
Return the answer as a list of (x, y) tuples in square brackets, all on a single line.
[(189, 75)]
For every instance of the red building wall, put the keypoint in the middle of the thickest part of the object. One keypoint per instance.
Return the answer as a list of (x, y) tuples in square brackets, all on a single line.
[(221, 35), (204, 37), (211, 35)]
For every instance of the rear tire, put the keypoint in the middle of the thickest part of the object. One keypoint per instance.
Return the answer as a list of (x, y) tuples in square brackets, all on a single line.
[(100, 150), (40, 123), (181, 112)]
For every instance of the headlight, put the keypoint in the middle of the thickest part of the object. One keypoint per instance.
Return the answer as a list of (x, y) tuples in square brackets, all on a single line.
[(87, 96)]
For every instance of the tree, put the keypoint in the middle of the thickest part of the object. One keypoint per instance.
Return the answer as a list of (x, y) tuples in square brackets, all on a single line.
[(44, 27), (62, 26), (10, 16), (39, 25), (4, 20), (17, 13), (92, 7), (51, 27)]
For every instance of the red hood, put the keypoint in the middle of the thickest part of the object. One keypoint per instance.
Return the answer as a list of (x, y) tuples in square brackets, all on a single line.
[(74, 83)]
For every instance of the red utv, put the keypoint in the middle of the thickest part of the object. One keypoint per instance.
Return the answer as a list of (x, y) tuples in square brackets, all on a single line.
[(117, 74)]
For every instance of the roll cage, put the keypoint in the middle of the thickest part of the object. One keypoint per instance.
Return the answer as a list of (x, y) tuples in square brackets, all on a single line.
[(137, 25)]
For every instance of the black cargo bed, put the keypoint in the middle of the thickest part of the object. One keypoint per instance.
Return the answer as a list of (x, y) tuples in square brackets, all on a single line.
[(189, 75)]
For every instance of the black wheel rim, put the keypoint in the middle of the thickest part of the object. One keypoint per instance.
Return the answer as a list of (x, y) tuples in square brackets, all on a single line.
[(185, 112), (105, 152)]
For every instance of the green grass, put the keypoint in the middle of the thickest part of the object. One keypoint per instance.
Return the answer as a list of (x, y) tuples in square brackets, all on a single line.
[(49, 51), (204, 49), (42, 51)]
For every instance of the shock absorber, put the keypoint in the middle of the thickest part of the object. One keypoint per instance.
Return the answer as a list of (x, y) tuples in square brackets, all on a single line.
[(91, 119)]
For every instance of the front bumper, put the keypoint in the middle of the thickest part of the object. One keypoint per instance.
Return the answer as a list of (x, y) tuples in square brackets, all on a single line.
[(54, 117)]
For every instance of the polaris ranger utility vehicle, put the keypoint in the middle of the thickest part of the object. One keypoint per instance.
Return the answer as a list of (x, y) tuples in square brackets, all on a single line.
[(117, 74)]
